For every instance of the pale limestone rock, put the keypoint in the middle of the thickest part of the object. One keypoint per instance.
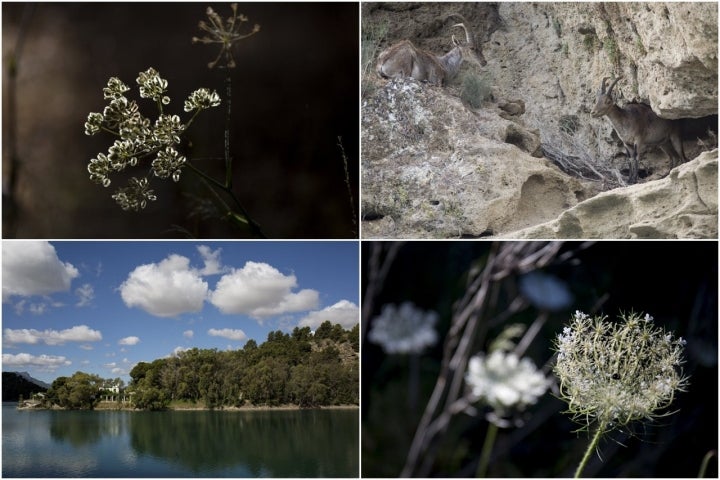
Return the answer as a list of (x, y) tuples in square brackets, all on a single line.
[(681, 205)]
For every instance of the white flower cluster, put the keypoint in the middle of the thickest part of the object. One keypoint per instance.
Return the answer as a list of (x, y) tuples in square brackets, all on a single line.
[(618, 372), (404, 329), (504, 381), (139, 138)]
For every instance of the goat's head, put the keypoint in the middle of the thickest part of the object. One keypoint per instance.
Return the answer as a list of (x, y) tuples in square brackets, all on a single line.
[(469, 50), (604, 101)]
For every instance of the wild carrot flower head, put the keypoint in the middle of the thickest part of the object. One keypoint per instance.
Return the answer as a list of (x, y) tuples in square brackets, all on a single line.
[(225, 33), (616, 372), (404, 329), (504, 381)]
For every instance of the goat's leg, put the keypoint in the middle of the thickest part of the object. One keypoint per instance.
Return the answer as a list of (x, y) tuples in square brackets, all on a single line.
[(633, 159), (668, 149), (676, 141)]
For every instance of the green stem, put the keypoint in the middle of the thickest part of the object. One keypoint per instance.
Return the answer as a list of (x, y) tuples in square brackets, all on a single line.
[(212, 183), (228, 162), (590, 449), (487, 450), (705, 462), (187, 125)]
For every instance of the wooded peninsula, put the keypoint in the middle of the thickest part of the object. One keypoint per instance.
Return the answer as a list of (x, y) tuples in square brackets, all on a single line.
[(302, 369)]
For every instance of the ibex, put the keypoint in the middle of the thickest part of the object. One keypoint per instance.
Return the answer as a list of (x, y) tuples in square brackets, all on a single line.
[(404, 59), (637, 126)]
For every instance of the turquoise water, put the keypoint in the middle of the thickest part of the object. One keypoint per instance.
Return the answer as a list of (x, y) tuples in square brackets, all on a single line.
[(312, 443)]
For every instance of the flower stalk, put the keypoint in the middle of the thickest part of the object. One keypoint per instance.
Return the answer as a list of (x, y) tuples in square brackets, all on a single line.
[(593, 445), (487, 447), (614, 373)]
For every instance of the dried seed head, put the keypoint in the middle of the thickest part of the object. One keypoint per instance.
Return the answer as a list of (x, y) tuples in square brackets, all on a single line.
[(617, 372)]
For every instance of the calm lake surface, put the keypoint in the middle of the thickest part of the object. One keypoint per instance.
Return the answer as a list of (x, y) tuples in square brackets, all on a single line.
[(306, 443)]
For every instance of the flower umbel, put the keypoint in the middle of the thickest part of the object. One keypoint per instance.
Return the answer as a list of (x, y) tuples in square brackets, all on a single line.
[(139, 138), (135, 196), (225, 33), (152, 86), (201, 99), (615, 373), (504, 381), (404, 329)]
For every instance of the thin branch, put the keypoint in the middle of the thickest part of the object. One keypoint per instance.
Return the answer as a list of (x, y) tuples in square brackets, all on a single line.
[(347, 182), (377, 269)]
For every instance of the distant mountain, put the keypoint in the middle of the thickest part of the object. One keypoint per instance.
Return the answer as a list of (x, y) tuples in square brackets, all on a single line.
[(15, 384), (37, 382)]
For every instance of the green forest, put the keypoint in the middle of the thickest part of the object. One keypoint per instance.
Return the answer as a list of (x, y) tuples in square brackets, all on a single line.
[(299, 368)]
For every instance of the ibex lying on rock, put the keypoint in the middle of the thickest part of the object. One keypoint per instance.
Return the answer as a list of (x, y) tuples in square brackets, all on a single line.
[(637, 126), (404, 59)]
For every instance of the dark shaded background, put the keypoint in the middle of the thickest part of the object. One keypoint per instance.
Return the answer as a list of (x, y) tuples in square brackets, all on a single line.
[(675, 282), (295, 91)]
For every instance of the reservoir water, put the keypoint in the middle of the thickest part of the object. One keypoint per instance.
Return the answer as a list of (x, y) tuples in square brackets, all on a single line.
[(298, 443)]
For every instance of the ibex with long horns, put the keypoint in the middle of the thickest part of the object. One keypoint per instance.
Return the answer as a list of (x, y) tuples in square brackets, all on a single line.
[(404, 59), (637, 126)]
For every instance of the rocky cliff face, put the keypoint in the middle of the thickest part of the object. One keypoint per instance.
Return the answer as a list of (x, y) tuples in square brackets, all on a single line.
[(435, 166), (681, 205)]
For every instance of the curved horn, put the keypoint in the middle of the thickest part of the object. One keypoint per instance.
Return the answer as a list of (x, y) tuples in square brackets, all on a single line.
[(613, 84), (467, 34), (602, 85)]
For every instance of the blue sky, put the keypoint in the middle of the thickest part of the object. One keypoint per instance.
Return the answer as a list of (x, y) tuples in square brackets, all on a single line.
[(101, 307)]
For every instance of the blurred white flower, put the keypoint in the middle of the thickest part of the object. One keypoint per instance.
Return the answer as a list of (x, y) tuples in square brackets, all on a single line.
[(404, 329), (503, 381), (545, 292)]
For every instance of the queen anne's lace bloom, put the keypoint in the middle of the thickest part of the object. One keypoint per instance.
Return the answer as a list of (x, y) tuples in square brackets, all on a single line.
[(404, 329), (504, 381), (614, 373)]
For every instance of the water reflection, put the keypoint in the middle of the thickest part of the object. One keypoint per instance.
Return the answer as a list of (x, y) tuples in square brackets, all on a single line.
[(82, 428), (276, 444), (159, 444)]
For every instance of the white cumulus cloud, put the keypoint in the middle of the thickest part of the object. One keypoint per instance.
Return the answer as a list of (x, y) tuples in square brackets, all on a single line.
[(33, 268), (165, 289), (188, 334), (45, 362), (260, 291), (344, 312), (129, 341), (78, 333), (227, 333)]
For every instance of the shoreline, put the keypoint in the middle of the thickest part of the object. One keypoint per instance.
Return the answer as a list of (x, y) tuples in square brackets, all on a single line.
[(261, 408), (199, 408), (111, 406)]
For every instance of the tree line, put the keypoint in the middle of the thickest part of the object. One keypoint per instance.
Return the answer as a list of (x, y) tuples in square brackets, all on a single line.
[(299, 368)]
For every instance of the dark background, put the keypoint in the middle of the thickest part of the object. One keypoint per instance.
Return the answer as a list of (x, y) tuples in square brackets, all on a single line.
[(295, 91), (675, 282)]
